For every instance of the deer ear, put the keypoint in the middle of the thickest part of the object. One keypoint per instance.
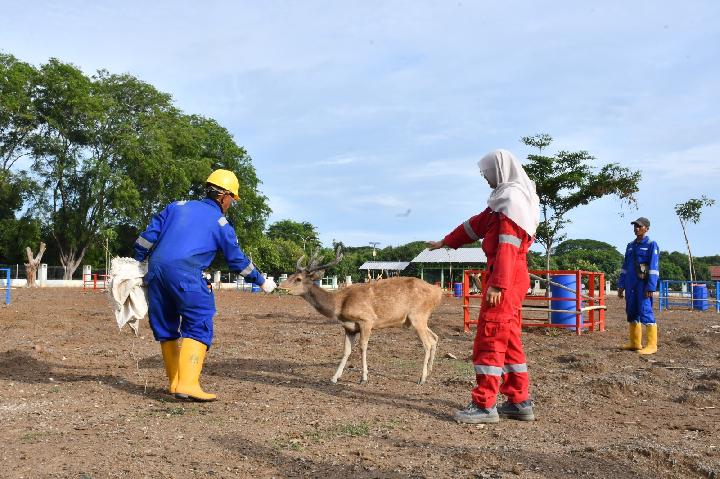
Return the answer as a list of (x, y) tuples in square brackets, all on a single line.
[(316, 275)]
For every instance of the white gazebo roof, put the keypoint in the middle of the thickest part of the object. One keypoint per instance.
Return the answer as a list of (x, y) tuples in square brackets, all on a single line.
[(385, 265), (446, 255)]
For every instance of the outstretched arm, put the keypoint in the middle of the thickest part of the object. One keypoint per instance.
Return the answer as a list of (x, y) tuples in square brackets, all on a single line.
[(468, 232)]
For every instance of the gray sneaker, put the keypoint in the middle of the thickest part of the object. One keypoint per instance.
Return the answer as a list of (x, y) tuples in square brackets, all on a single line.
[(522, 411), (474, 414)]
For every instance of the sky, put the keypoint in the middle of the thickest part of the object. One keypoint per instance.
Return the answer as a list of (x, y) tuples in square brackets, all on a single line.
[(367, 118)]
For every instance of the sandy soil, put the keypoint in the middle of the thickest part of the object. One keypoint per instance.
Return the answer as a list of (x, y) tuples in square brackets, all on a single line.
[(80, 399)]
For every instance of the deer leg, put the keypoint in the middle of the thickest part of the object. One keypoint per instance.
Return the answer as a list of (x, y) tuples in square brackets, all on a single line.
[(349, 339), (364, 338), (428, 342), (433, 350)]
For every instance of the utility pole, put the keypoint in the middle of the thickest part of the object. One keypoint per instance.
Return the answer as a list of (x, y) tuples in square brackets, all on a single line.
[(373, 244), (304, 239)]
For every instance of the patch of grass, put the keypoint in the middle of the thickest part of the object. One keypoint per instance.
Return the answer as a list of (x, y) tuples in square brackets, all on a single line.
[(406, 364), (361, 429), (463, 368), (175, 411), (317, 436), (32, 437), (55, 389), (288, 444)]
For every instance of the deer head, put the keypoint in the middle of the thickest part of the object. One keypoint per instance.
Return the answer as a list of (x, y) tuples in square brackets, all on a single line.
[(300, 281)]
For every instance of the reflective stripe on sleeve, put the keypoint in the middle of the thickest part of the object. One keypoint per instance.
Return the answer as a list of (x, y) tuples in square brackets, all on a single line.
[(654, 271), (222, 221), (144, 243), (488, 370), (515, 368), (622, 271), (510, 239), (469, 231), (248, 269)]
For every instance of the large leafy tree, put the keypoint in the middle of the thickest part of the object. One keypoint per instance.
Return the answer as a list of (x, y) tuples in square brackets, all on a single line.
[(302, 233), (567, 180), (590, 255), (690, 212), (18, 120), (111, 151)]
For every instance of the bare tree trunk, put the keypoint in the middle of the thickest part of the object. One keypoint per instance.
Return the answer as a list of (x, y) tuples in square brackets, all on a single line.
[(71, 262), (690, 260), (32, 265)]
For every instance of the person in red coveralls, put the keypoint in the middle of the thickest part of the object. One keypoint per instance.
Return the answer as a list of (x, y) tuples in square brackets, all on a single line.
[(507, 228)]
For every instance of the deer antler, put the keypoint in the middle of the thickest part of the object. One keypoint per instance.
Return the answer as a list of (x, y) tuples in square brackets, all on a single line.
[(299, 265), (312, 263)]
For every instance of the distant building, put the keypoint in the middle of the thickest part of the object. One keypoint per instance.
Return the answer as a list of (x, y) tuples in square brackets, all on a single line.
[(448, 265), (383, 269), (715, 273)]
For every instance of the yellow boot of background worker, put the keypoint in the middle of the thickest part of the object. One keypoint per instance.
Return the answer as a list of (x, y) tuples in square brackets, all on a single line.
[(651, 346), (171, 358), (192, 356), (635, 334)]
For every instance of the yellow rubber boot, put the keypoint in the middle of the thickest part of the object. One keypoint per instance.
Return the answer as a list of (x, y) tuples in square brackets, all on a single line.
[(192, 356), (651, 347), (635, 334), (171, 357)]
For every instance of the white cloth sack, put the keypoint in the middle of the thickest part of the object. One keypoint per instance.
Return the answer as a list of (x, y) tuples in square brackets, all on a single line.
[(129, 297)]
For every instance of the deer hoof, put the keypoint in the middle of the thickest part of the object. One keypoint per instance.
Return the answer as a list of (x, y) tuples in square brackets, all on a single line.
[(421, 382), (333, 380), (363, 381)]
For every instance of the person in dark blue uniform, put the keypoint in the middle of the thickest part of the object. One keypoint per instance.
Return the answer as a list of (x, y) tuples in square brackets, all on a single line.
[(638, 281), (181, 241)]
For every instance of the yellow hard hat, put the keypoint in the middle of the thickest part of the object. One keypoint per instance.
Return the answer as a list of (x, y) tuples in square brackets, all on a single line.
[(226, 180)]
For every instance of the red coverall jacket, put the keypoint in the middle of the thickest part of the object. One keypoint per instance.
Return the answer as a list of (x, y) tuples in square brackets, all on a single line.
[(498, 350)]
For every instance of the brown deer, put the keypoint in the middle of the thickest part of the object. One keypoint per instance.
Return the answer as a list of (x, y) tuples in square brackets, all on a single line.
[(360, 308)]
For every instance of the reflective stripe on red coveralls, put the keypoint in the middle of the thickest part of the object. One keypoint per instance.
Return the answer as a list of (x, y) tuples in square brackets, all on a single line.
[(498, 350)]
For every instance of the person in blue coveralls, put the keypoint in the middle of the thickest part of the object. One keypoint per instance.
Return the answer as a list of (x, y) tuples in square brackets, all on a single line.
[(181, 241), (638, 281)]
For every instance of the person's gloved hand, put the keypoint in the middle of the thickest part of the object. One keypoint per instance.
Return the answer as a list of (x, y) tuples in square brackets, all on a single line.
[(269, 285)]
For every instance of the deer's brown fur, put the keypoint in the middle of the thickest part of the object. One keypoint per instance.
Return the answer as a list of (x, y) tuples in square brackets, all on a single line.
[(360, 308)]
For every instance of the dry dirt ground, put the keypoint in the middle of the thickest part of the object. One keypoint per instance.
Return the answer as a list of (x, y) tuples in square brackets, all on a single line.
[(80, 399)]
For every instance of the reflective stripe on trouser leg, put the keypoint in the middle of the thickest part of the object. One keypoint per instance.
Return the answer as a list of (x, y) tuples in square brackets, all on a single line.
[(488, 358), (516, 381)]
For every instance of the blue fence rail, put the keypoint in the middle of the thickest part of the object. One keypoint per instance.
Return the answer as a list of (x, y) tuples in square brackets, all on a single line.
[(698, 295), (5, 272)]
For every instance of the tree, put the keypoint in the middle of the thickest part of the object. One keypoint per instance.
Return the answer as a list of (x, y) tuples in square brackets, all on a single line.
[(670, 268), (690, 211), (302, 233), (567, 180), (589, 255), (33, 264), (112, 151), (274, 256), (18, 120), (568, 246)]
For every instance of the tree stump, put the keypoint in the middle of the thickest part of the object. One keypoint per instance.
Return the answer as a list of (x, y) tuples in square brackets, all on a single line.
[(32, 265)]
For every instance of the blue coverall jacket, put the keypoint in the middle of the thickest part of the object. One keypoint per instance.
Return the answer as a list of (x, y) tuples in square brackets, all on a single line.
[(181, 242), (638, 307)]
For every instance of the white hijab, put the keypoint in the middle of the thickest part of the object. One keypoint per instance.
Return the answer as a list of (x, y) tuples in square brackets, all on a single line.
[(515, 195)]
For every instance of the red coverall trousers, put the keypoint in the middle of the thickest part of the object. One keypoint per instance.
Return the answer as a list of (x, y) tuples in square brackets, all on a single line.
[(498, 350)]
